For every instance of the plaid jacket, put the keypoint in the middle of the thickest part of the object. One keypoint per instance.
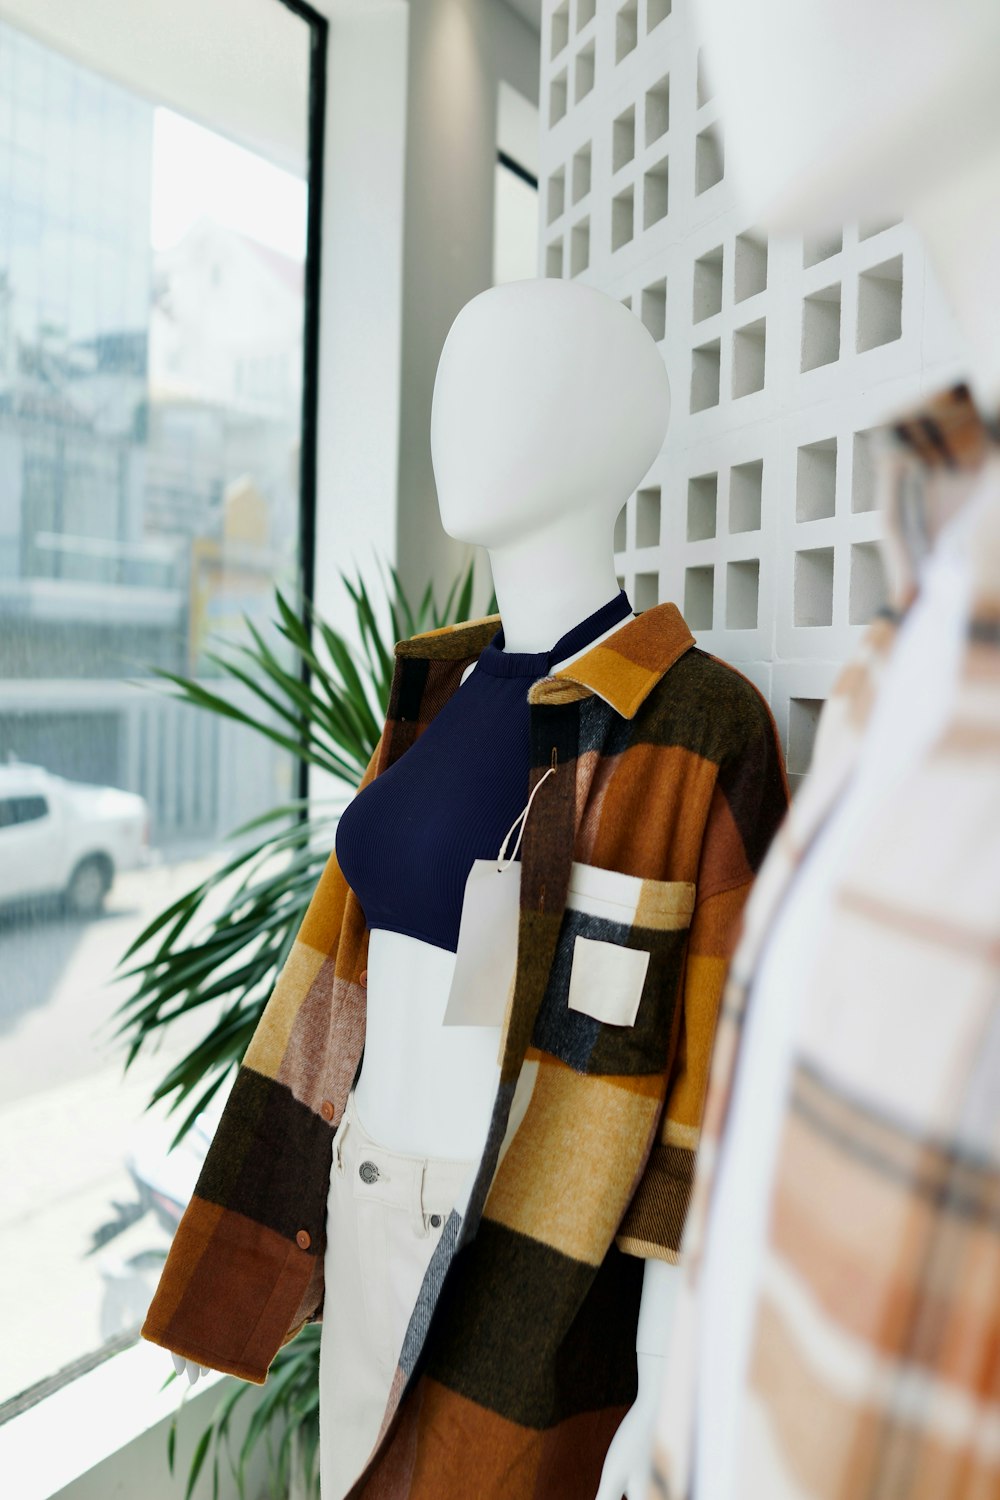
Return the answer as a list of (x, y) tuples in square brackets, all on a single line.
[(875, 1361), (519, 1361)]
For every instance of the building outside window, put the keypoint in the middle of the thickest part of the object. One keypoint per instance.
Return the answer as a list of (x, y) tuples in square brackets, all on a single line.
[(151, 408)]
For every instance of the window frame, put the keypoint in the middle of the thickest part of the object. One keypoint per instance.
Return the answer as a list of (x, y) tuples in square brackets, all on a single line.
[(113, 1393)]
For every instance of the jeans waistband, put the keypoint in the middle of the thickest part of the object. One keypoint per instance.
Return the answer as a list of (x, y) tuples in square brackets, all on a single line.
[(425, 1186)]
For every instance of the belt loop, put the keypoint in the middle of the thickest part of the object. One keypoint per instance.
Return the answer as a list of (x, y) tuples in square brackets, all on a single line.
[(418, 1217), (341, 1133)]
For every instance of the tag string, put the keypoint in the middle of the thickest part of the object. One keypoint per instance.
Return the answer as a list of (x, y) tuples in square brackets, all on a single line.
[(521, 818)]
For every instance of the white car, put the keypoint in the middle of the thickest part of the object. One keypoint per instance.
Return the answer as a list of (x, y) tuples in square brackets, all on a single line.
[(68, 838)]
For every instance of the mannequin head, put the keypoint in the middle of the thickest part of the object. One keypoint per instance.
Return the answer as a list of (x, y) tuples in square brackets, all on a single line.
[(551, 400), (840, 109)]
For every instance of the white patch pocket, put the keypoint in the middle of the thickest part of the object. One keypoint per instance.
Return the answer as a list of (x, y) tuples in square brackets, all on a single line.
[(606, 979)]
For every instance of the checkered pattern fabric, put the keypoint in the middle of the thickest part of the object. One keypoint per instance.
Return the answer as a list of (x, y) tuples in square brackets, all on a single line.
[(875, 1361), (519, 1361)]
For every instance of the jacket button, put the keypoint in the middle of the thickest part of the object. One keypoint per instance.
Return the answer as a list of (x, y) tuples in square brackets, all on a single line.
[(303, 1239), (326, 1109), (363, 976)]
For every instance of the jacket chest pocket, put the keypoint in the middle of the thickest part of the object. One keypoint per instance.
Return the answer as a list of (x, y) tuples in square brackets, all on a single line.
[(613, 987)]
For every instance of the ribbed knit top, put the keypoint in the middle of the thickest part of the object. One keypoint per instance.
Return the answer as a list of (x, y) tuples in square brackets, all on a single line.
[(407, 841)]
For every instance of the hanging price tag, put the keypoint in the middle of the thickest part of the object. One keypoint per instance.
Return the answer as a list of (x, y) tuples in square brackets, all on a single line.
[(486, 956), (487, 945)]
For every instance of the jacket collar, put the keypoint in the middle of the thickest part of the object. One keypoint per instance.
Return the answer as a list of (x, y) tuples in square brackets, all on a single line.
[(622, 669)]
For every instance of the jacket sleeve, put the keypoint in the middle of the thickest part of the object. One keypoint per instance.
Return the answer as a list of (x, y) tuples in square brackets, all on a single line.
[(748, 804), (244, 1272)]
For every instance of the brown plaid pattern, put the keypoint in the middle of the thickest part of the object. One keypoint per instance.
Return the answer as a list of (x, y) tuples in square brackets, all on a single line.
[(519, 1361), (875, 1363)]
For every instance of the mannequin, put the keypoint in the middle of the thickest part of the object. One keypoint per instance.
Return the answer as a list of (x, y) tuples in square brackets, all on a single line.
[(825, 130), (550, 403)]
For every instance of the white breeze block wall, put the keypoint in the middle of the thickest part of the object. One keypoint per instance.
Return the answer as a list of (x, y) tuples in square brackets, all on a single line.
[(757, 518)]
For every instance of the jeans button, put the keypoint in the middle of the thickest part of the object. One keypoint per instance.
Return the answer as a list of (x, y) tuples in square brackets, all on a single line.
[(436, 1220), (368, 1172)]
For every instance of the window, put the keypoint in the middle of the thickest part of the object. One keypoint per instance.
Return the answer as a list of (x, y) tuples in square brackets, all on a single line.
[(156, 421), (14, 810)]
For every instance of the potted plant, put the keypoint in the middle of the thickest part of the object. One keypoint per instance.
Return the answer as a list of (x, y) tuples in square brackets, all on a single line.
[(328, 716)]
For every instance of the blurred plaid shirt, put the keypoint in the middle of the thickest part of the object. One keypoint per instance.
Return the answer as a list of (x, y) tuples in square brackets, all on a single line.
[(875, 1356)]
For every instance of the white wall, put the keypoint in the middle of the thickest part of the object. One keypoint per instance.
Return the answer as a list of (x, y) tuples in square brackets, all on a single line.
[(460, 50), (411, 139), (756, 517)]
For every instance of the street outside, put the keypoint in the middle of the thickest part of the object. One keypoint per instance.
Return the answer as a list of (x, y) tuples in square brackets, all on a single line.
[(68, 1117)]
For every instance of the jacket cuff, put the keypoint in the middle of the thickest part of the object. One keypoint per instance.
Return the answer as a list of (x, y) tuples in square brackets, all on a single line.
[(653, 1223)]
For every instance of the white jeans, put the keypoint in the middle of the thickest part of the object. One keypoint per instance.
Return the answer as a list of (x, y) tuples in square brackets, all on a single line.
[(385, 1213)]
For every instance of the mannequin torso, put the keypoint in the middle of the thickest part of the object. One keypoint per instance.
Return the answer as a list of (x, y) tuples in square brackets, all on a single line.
[(424, 1087)]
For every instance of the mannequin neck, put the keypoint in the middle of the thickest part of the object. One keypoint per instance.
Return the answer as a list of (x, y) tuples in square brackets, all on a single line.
[(960, 225), (550, 580)]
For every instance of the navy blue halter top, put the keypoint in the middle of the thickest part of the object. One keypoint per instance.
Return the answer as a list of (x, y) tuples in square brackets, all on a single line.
[(407, 841)]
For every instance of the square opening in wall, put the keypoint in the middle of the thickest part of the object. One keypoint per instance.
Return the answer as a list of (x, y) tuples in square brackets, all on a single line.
[(622, 218), (750, 267), (620, 541), (654, 308), (821, 328), (749, 358), (705, 362), (703, 500), (880, 304), (579, 247), (560, 28), (585, 12), (626, 30), (813, 586), (803, 721), (581, 173), (647, 591), (816, 480), (742, 589), (869, 228), (557, 97), (709, 164), (707, 285), (647, 517), (554, 258), (817, 247), (746, 485), (584, 72), (623, 139), (699, 597), (657, 11), (556, 196), (703, 82), (863, 471), (868, 588), (655, 193), (658, 110)]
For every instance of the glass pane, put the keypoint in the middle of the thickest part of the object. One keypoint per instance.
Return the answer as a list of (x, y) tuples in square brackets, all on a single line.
[(151, 335)]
